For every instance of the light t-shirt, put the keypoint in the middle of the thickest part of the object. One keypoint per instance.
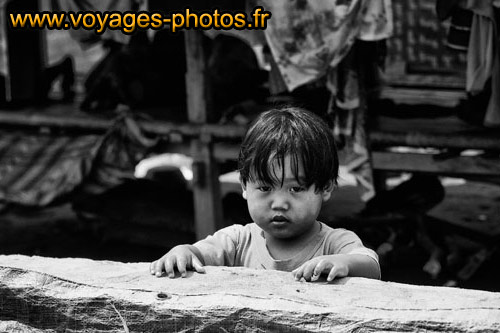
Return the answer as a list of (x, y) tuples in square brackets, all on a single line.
[(239, 245)]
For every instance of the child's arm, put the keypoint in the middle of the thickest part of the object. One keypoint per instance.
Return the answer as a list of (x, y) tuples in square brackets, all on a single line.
[(216, 250), (182, 257), (338, 265)]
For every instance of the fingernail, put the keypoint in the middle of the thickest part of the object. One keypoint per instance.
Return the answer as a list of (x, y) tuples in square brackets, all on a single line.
[(314, 277), (158, 274)]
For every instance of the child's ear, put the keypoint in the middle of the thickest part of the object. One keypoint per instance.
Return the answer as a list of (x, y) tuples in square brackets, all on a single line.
[(327, 191), (243, 191)]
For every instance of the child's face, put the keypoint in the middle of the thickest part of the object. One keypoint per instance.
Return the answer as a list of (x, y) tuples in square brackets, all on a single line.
[(284, 211)]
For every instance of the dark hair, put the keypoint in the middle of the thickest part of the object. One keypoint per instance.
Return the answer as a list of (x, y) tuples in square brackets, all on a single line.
[(291, 131)]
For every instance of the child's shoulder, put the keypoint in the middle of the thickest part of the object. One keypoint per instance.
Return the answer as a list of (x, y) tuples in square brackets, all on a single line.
[(249, 228), (241, 226), (240, 234), (329, 231)]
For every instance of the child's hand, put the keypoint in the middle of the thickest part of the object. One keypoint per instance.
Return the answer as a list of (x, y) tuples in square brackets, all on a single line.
[(335, 266), (182, 257)]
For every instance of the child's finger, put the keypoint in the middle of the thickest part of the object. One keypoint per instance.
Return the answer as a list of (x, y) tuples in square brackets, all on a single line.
[(333, 274), (152, 268), (169, 267), (318, 269), (197, 265), (181, 265), (308, 270), (299, 272), (156, 267)]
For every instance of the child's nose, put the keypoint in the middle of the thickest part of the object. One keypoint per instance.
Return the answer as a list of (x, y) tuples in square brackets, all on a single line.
[(280, 202)]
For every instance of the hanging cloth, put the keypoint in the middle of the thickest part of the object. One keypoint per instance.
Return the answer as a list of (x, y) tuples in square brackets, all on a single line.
[(481, 54), (121, 149), (37, 169), (483, 59), (492, 117), (377, 21), (349, 115), (308, 37)]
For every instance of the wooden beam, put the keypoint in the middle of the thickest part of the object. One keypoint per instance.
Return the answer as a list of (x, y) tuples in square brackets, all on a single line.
[(44, 294), (19, 119), (437, 140), (199, 101), (453, 166), (222, 151), (445, 132), (446, 98), (206, 188)]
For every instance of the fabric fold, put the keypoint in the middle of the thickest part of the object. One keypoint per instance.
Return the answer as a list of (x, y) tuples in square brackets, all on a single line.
[(309, 37)]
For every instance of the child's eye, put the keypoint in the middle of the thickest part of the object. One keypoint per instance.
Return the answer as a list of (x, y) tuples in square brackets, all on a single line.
[(264, 188), (296, 189)]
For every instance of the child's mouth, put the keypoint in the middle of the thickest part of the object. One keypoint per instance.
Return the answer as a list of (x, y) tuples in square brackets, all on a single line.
[(279, 218)]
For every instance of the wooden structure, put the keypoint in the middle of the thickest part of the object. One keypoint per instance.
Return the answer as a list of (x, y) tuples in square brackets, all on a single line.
[(79, 295), (422, 70), (448, 136), (209, 144), (201, 135)]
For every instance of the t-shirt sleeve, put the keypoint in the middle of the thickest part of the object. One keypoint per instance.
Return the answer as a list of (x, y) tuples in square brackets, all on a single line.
[(220, 248), (342, 241)]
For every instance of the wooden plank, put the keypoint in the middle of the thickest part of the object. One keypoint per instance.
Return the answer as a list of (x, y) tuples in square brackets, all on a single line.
[(436, 140), (444, 132), (19, 119), (399, 73), (45, 294), (206, 188), (222, 151), (450, 125), (446, 98), (453, 166)]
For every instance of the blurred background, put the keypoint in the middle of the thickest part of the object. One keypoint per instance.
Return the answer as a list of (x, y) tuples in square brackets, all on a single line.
[(104, 151)]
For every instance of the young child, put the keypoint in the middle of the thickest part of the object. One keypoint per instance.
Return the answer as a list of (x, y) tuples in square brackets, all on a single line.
[(288, 167)]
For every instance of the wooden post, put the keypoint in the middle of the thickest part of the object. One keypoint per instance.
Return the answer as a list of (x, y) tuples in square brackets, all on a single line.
[(206, 188), (24, 52)]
